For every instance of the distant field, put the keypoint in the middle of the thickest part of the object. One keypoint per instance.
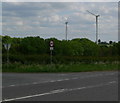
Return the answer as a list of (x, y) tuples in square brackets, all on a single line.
[(16, 67)]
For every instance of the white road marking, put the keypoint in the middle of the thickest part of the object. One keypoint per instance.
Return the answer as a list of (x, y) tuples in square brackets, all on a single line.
[(96, 75), (113, 82), (60, 80), (52, 81), (67, 79), (35, 83), (59, 91), (12, 85), (31, 96)]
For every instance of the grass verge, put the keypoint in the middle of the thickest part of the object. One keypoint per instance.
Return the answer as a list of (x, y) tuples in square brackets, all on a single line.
[(36, 68)]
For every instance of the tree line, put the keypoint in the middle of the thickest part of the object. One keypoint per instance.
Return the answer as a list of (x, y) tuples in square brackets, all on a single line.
[(29, 50)]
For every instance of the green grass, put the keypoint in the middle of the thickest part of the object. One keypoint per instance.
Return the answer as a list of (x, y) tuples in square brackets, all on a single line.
[(16, 67)]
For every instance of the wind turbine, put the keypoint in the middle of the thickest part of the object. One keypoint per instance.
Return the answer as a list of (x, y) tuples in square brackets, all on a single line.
[(66, 22), (96, 25)]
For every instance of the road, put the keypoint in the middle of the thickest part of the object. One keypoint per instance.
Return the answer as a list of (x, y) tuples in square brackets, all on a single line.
[(84, 86)]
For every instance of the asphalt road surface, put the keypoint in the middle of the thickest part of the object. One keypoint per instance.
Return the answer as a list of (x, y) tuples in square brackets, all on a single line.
[(84, 86)]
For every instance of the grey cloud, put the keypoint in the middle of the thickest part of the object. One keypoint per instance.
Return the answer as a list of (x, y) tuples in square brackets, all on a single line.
[(24, 9), (48, 18)]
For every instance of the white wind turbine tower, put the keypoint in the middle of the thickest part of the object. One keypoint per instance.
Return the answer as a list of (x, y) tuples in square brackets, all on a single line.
[(96, 25), (66, 30)]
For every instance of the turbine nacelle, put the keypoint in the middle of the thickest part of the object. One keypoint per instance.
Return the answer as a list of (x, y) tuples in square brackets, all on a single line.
[(97, 15), (66, 22)]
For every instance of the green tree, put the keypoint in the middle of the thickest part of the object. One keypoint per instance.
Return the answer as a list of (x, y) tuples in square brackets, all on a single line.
[(77, 48), (90, 48), (6, 39)]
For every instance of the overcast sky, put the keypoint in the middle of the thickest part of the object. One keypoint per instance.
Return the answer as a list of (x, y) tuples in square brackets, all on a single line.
[(47, 19)]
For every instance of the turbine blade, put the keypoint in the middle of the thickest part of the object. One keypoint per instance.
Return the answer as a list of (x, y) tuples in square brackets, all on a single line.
[(91, 13)]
